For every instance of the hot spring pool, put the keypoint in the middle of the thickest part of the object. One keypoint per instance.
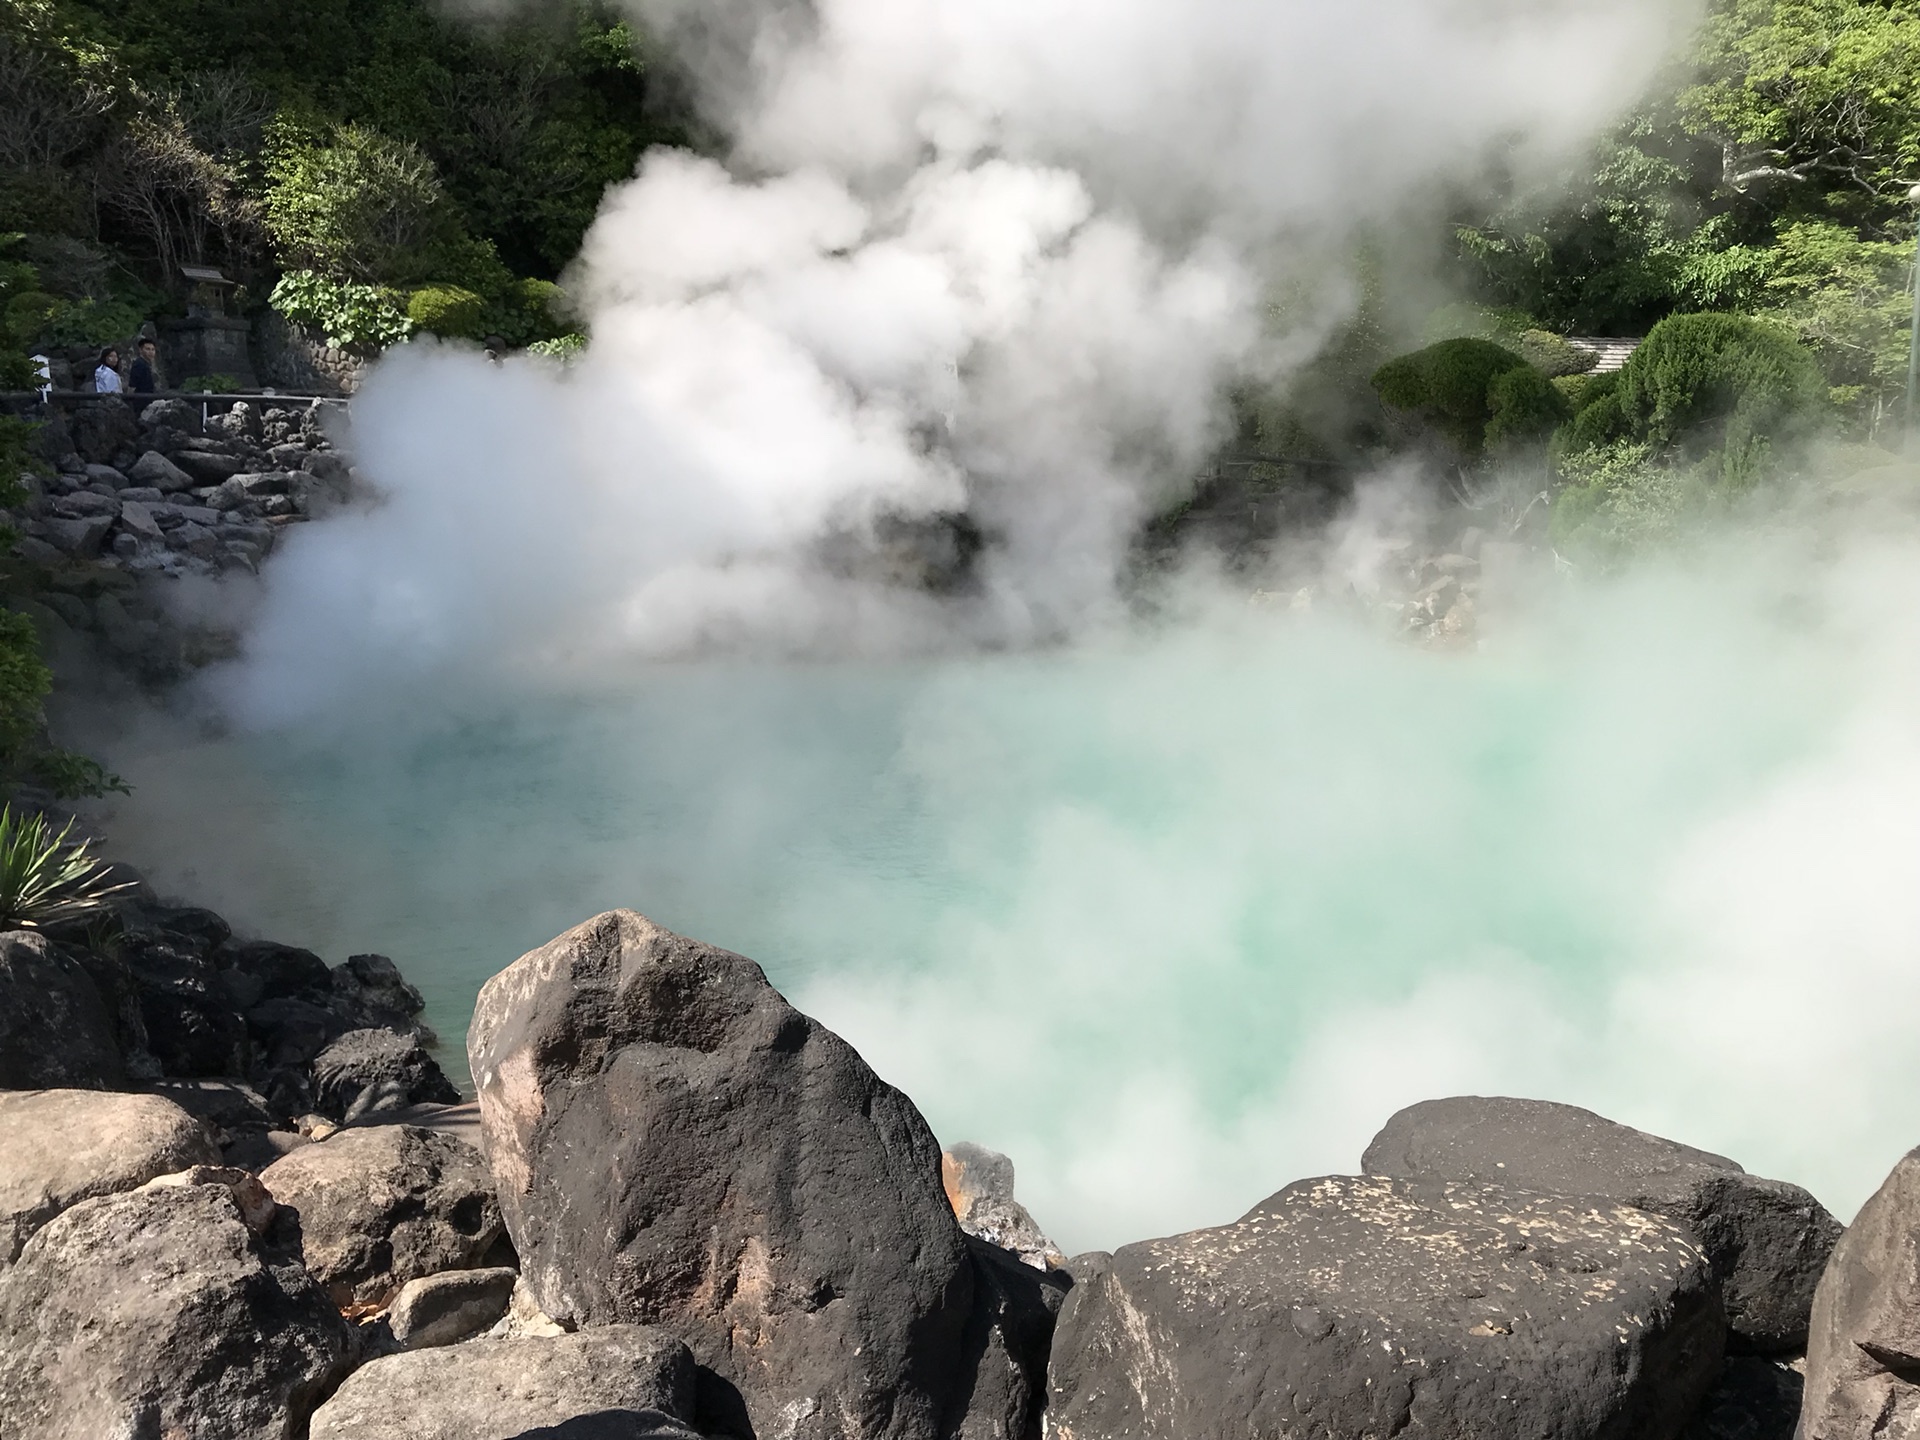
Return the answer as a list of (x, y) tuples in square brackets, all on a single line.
[(1176, 918)]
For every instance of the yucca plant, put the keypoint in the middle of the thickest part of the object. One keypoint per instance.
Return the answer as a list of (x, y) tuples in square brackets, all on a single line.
[(45, 878)]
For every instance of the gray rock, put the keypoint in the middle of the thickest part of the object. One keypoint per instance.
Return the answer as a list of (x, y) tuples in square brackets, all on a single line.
[(1863, 1349), (83, 503), (171, 516), (172, 414), (59, 1147), (79, 538), (452, 1306), (55, 1031), (144, 494), (161, 1314), (631, 1381), (366, 1071), (1357, 1306), (36, 551), (1767, 1240), (979, 1186), (195, 539), (676, 1145), (208, 467), (137, 520), (101, 428), (158, 471), (386, 1204)]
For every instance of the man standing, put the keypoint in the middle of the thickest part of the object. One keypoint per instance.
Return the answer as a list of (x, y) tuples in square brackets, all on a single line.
[(145, 376)]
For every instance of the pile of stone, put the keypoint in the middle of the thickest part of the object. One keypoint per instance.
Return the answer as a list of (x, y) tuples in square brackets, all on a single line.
[(139, 498), (697, 1212), (250, 1036)]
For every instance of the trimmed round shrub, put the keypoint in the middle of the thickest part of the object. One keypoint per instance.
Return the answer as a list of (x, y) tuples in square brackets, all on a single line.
[(1474, 392), (1722, 382), (447, 310)]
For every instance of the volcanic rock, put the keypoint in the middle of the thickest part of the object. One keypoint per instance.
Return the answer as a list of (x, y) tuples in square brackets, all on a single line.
[(368, 1071), (622, 1382), (449, 1307), (59, 1147), (386, 1204), (979, 1186), (1354, 1306), (1758, 1398), (162, 474), (55, 1032), (676, 1145), (1863, 1348), (1008, 1339), (1766, 1240), (161, 1314)]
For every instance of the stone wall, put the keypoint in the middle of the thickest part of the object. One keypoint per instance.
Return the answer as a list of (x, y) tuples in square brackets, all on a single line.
[(300, 360)]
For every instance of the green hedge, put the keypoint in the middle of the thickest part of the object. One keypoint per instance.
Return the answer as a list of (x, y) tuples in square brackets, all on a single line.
[(1477, 394)]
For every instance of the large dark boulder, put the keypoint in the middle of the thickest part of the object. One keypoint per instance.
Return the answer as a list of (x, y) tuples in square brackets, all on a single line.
[(1008, 1339), (1356, 1306), (1863, 1349), (55, 1032), (678, 1146), (622, 1382), (386, 1204), (365, 1072), (191, 1025), (59, 1147), (161, 1314), (1766, 1240)]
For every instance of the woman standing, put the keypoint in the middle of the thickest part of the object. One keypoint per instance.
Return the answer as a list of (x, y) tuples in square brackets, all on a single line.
[(106, 376)]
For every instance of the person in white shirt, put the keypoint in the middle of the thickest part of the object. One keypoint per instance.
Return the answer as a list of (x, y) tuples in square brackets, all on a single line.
[(106, 377)]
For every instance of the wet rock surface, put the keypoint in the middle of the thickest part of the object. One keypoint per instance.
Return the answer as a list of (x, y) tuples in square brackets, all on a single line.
[(623, 1382), (386, 1204), (1371, 1306), (160, 1313), (676, 1145), (1767, 1241)]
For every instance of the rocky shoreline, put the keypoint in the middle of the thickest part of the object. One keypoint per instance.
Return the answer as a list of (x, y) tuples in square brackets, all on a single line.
[(236, 1202), (135, 500)]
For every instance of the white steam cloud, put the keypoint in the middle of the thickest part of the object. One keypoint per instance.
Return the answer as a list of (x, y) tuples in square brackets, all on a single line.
[(968, 256)]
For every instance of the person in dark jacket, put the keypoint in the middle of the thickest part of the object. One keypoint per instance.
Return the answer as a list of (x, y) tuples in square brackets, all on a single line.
[(144, 378)]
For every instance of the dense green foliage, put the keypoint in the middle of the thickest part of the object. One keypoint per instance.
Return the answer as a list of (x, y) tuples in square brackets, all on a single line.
[(387, 144), (1479, 395), (1766, 175)]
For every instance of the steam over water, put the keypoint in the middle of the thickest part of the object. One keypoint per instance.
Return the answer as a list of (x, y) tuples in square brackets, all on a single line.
[(1179, 915)]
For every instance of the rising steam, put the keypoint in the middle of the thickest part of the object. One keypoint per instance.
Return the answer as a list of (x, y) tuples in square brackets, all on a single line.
[(999, 259)]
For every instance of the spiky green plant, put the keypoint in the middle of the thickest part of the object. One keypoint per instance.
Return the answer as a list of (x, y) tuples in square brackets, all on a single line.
[(45, 878)]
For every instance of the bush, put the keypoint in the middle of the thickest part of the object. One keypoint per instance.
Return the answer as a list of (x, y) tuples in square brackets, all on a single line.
[(219, 383), (24, 682), (1726, 383), (354, 317), (1474, 392), (1620, 499), (368, 209), (447, 310), (562, 348)]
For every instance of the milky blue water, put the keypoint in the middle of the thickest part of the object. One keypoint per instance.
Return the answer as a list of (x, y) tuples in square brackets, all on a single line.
[(1176, 917)]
